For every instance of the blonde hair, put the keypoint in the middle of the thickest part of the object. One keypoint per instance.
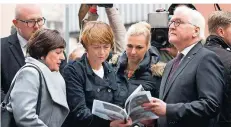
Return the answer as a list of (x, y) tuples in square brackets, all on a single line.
[(96, 32), (140, 28), (218, 19)]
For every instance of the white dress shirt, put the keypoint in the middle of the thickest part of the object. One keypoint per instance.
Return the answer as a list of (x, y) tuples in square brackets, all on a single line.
[(23, 44), (186, 50)]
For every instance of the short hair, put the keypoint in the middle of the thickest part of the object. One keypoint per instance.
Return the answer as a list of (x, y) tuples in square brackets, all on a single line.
[(96, 32), (43, 41), (174, 6), (21, 7), (218, 19), (194, 17), (140, 28), (13, 29), (76, 53)]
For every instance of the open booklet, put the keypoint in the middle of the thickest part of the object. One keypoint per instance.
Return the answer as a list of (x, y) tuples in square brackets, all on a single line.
[(133, 108)]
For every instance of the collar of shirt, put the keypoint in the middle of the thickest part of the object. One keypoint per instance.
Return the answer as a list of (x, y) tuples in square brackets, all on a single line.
[(22, 41), (23, 44), (186, 50)]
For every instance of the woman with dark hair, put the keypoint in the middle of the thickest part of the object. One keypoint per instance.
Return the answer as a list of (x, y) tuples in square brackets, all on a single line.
[(45, 50)]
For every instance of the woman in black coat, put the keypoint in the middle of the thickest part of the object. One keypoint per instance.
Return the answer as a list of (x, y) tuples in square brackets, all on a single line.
[(91, 77)]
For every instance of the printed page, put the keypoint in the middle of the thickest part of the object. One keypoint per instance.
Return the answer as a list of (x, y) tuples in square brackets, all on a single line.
[(137, 90), (136, 111), (139, 114), (108, 111)]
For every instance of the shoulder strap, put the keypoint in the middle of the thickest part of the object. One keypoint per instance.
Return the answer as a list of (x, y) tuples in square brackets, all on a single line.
[(6, 99)]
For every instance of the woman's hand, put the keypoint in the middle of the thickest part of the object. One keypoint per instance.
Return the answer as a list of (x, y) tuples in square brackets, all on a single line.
[(121, 123)]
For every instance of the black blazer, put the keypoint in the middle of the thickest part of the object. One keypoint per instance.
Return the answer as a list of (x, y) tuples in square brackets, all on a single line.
[(12, 59), (194, 93), (217, 45), (83, 86)]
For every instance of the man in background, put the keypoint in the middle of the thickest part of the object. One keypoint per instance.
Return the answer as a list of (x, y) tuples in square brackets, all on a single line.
[(219, 41)]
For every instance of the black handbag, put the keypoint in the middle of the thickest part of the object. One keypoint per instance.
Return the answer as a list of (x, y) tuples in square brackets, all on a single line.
[(7, 118)]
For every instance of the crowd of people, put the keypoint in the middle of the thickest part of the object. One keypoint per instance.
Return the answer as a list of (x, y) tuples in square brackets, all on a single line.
[(192, 89)]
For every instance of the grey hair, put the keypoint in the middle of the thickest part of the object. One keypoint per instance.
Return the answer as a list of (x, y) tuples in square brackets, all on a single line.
[(140, 28), (194, 17)]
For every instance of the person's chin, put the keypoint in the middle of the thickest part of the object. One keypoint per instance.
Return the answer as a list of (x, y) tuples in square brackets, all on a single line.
[(101, 59), (172, 40), (58, 69), (134, 60), (55, 69)]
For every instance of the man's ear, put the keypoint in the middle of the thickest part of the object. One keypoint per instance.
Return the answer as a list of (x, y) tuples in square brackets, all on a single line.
[(15, 22), (220, 31), (197, 32)]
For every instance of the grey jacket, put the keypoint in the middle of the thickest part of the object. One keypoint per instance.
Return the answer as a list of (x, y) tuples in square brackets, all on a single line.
[(24, 95)]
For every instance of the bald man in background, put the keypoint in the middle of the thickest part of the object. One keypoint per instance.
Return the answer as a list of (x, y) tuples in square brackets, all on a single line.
[(28, 19)]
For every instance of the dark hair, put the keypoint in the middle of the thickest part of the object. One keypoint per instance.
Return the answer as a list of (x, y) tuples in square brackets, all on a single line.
[(43, 41), (173, 7)]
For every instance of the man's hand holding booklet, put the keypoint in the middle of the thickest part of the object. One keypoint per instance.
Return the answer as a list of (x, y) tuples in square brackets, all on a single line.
[(133, 108)]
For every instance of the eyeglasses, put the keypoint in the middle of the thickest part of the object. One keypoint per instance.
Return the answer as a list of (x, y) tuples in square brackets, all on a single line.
[(31, 23), (178, 22)]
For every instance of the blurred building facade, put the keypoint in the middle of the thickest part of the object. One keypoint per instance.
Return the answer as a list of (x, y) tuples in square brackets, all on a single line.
[(64, 17), (130, 13)]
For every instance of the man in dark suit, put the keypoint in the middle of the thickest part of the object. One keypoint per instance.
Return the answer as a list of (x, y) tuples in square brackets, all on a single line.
[(28, 19), (192, 85), (219, 41)]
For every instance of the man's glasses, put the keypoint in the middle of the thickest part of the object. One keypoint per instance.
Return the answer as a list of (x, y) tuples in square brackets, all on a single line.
[(178, 22), (31, 23)]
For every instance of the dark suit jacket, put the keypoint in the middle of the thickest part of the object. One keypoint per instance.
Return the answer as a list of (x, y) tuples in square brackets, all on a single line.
[(12, 59), (194, 92)]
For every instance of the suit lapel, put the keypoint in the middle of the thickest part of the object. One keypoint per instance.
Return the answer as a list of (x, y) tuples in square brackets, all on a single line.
[(16, 49), (165, 78), (181, 67)]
